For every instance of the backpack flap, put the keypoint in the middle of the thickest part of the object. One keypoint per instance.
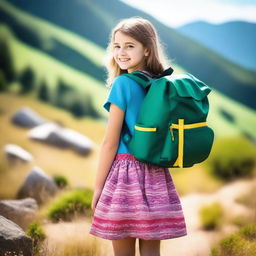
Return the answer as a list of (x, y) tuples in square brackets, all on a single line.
[(189, 86)]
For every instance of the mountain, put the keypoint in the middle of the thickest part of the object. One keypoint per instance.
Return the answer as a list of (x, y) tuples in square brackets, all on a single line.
[(94, 20), (235, 40)]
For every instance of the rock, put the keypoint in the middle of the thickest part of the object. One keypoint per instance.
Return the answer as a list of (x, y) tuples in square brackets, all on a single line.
[(72, 139), (15, 153), (55, 135), (26, 117), (22, 212), (13, 240), (43, 131), (37, 185)]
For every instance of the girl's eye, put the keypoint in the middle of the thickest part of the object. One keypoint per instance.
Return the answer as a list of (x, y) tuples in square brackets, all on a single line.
[(116, 46), (130, 46)]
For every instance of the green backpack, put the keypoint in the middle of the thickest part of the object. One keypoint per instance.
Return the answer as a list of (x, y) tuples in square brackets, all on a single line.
[(171, 128)]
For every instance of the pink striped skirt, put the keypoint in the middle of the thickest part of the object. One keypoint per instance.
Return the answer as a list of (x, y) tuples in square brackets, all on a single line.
[(138, 200)]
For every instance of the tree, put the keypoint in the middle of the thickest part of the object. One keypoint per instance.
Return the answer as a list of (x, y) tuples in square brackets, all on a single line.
[(6, 64), (3, 84), (27, 80), (43, 93)]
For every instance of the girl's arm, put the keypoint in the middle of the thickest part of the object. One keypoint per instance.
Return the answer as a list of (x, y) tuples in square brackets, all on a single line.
[(108, 149)]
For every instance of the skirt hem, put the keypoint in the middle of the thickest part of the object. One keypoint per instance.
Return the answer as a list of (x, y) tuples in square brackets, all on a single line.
[(138, 237)]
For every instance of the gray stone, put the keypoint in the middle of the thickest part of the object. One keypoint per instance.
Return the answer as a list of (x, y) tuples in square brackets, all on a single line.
[(37, 185), (53, 134), (15, 153), (13, 239), (26, 117), (22, 212)]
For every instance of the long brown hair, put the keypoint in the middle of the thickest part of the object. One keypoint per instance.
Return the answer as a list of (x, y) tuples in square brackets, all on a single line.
[(143, 31)]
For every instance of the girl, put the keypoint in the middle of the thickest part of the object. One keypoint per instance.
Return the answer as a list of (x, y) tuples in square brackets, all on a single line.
[(132, 199)]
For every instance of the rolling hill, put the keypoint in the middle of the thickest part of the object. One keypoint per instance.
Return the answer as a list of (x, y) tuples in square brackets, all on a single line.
[(94, 20), (235, 40), (227, 116)]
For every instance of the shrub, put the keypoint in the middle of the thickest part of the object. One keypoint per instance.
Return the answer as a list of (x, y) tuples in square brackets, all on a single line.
[(249, 232), (239, 244), (3, 83), (211, 216), (69, 204), (27, 80), (60, 181), (37, 235), (43, 93), (232, 158)]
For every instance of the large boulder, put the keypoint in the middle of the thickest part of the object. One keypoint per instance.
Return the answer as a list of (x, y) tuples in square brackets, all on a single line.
[(56, 135), (13, 240), (15, 153), (37, 185), (22, 212), (26, 117)]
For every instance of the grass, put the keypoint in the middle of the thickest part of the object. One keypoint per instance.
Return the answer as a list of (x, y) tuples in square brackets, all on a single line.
[(244, 117), (194, 179), (25, 56), (69, 204), (241, 243), (79, 170), (49, 31), (211, 216), (76, 247)]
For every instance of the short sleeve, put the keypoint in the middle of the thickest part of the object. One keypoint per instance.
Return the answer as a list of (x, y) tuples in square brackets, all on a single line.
[(119, 93)]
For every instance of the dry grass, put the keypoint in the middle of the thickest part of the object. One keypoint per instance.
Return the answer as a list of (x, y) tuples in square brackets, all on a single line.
[(77, 247), (79, 170)]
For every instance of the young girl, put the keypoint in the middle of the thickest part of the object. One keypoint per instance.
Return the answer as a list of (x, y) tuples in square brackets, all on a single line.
[(132, 199)]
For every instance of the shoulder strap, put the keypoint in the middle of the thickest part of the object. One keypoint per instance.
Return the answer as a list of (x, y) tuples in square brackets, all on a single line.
[(140, 77), (143, 79)]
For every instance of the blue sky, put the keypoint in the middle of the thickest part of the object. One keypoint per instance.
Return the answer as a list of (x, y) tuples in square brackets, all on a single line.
[(179, 12)]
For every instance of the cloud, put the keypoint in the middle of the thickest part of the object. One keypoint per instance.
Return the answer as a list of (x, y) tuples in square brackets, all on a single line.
[(178, 12)]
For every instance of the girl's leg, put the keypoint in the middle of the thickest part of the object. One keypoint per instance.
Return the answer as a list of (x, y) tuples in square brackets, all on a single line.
[(124, 247), (149, 247)]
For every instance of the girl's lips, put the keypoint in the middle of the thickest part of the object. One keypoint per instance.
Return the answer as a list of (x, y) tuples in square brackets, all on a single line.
[(124, 59)]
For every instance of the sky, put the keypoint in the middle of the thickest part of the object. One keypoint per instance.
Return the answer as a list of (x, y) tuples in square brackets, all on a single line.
[(176, 13)]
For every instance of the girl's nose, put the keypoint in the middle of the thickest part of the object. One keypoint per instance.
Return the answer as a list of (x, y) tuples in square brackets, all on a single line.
[(122, 51)]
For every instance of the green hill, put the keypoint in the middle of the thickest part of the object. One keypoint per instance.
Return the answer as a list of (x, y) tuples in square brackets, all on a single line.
[(226, 39), (94, 20), (51, 70)]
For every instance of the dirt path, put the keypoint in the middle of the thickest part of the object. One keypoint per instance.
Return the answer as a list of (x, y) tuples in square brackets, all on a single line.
[(196, 243)]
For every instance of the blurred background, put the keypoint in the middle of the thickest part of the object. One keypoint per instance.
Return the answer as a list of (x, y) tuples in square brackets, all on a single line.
[(52, 88)]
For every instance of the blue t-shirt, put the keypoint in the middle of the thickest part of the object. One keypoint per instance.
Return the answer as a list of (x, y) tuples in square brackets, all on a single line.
[(127, 95)]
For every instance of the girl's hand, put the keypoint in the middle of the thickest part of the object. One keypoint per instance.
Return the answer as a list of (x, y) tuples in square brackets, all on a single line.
[(96, 196)]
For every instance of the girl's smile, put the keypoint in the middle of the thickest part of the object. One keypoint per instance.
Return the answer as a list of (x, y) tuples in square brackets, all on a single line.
[(129, 53)]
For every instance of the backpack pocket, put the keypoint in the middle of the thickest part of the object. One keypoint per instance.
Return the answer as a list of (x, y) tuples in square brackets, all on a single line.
[(187, 144), (197, 145), (144, 143)]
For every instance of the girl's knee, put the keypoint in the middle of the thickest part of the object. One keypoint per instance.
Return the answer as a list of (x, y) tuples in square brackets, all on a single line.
[(124, 247), (149, 247)]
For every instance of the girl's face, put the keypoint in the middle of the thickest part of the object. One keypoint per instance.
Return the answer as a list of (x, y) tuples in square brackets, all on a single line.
[(129, 53)]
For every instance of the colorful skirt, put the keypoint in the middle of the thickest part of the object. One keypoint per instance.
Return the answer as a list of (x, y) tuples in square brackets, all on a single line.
[(138, 200)]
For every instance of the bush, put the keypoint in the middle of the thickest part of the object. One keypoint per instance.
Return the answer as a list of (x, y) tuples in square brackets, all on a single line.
[(232, 158), (211, 216), (239, 244), (249, 232), (27, 80), (69, 204), (37, 235), (43, 93), (60, 181), (3, 83)]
